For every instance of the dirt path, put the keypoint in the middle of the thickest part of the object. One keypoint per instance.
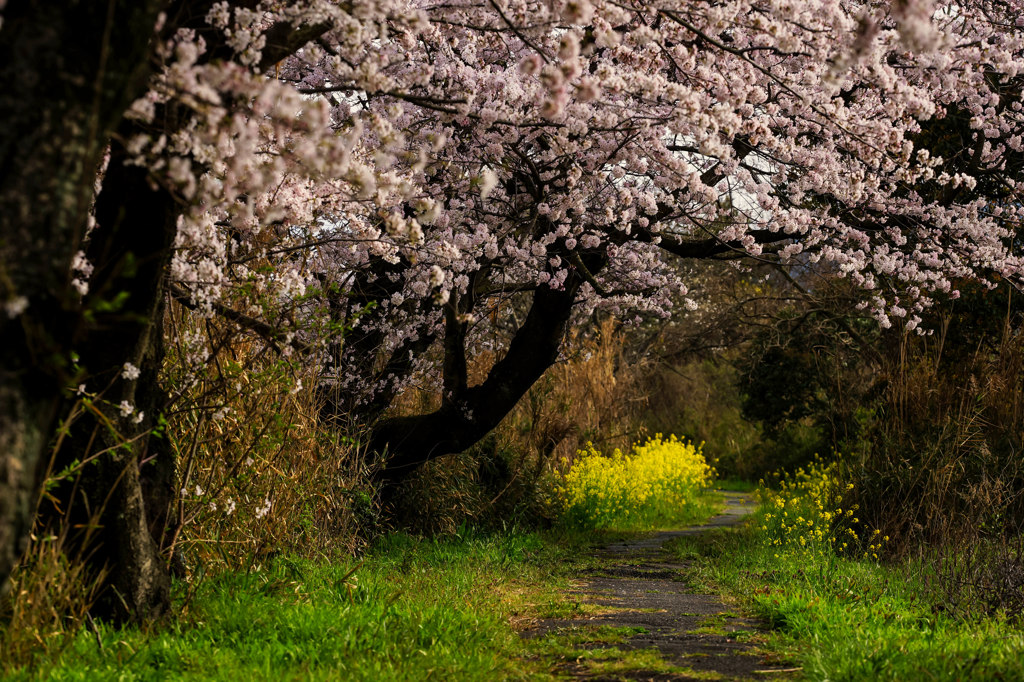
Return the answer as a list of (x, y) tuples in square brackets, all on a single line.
[(637, 585)]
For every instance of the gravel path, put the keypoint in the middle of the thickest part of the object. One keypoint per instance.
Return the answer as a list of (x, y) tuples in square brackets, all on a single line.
[(649, 591)]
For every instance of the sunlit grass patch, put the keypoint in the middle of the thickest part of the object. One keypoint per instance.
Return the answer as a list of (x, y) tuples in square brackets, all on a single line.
[(411, 609), (592, 652)]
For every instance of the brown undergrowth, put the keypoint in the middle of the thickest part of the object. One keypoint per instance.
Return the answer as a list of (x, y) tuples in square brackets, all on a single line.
[(940, 472), (255, 476)]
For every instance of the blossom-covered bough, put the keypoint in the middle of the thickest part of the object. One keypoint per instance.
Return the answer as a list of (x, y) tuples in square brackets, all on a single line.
[(358, 183)]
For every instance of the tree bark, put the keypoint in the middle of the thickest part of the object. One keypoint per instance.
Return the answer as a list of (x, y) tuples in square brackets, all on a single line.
[(126, 496), (467, 416), (67, 73)]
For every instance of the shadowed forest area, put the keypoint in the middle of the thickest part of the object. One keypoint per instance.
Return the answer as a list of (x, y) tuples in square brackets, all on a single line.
[(513, 339)]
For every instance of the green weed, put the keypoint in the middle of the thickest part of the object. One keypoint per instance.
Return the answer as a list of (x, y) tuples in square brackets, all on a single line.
[(858, 621), (412, 609)]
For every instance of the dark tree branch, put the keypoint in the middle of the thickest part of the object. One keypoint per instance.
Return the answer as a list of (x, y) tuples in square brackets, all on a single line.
[(408, 442), (284, 39)]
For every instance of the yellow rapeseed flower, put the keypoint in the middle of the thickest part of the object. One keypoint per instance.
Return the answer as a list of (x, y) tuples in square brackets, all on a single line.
[(663, 472)]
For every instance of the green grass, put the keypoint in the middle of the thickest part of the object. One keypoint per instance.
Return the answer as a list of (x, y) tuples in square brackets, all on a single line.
[(661, 515), (413, 609), (698, 509), (856, 621), (736, 485)]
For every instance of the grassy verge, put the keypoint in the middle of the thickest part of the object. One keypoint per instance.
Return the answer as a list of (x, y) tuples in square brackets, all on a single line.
[(411, 609), (739, 485), (847, 619), (699, 508)]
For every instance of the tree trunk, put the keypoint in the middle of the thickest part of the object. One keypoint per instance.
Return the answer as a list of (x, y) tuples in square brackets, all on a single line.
[(68, 70), (466, 417), (123, 497)]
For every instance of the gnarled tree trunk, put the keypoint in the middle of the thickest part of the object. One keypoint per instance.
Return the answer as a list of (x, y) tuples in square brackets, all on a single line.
[(123, 496), (467, 414)]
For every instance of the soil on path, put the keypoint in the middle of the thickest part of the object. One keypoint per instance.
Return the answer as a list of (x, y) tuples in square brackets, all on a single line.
[(644, 589)]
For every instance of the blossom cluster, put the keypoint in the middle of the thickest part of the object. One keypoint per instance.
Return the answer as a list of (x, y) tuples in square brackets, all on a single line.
[(418, 159)]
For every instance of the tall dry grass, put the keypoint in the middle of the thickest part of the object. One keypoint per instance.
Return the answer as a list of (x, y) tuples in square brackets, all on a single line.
[(53, 587), (254, 475), (940, 471), (48, 603), (257, 473), (941, 459)]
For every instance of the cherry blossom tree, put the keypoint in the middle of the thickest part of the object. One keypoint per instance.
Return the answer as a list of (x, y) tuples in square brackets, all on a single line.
[(585, 144), (357, 184)]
